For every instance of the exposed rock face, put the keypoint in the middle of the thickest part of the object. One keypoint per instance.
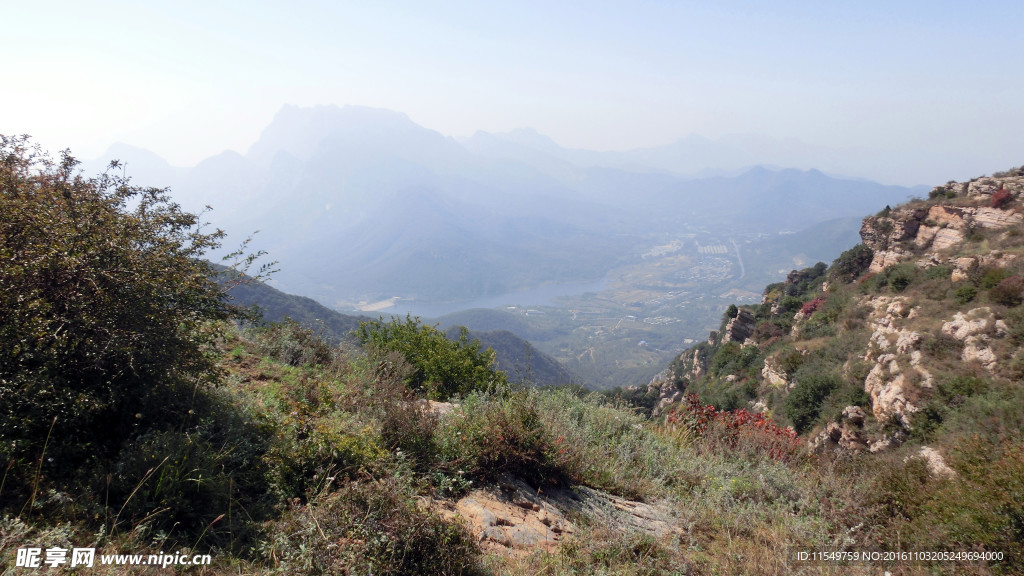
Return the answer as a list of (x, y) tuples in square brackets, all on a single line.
[(517, 519), (975, 329), (895, 236), (975, 322), (964, 267), (773, 374), (936, 464), (694, 362), (895, 352), (846, 434), (439, 408), (996, 218), (664, 385), (988, 186), (513, 520), (740, 328)]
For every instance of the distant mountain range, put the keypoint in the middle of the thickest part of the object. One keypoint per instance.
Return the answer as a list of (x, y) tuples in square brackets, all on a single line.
[(362, 205)]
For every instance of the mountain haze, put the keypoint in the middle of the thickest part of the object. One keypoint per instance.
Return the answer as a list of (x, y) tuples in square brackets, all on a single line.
[(362, 204)]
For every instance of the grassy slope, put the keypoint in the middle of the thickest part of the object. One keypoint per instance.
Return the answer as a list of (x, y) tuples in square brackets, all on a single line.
[(346, 459)]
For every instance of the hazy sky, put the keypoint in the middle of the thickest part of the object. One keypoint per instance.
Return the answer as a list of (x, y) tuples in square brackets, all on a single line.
[(935, 85)]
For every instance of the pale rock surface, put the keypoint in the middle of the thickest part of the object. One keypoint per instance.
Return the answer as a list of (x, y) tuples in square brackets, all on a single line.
[(664, 387), (974, 329), (936, 463), (974, 322), (740, 328), (887, 383), (773, 374), (939, 227), (846, 434), (515, 518)]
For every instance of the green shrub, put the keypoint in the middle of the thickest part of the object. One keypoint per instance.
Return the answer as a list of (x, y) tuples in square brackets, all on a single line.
[(991, 277), (370, 527), (442, 368), (105, 305), (181, 480), (790, 359), (310, 448), (965, 294), (960, 386), (941, 192), (899, 490), (804, 402), (491, 436), (942, 346), (981, 508), (896, 277), (805, 282), (926, 421), (409, 426), (938, 272), (294, 344), (901, 276), (993, 414), (605, 446), (790, 304), (733, 358), (1015, 323), (851, 264)]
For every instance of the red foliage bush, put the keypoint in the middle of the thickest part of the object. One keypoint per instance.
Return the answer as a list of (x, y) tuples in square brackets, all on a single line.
[(736, 429), (810, 307), (1001, 197)]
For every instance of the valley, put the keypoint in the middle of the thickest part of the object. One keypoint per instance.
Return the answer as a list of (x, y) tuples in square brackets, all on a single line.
[(609, 267), (646, 311)]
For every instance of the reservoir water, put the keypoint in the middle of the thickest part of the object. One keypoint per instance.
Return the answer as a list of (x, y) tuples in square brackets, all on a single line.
[(540, 296)]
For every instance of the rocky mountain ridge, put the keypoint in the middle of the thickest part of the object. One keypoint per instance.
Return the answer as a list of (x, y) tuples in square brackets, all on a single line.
[(890, 342)]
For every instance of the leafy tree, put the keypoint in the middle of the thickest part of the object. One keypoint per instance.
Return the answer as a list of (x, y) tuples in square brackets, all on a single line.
[(106, 310), (443, 367), (852, 263)]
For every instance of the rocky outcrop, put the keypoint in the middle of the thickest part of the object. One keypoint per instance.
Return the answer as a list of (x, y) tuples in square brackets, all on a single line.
[(964, 267), (894, 350), (773, 373), (516, 519), (846, 434), (976, 329), (935, 462), (664, 385), (512, 518), (987, 186), (897, 234), (740, 328), (693, 363)]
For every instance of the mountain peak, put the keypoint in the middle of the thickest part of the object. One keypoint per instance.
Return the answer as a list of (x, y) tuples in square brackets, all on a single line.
[(300, 131)]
